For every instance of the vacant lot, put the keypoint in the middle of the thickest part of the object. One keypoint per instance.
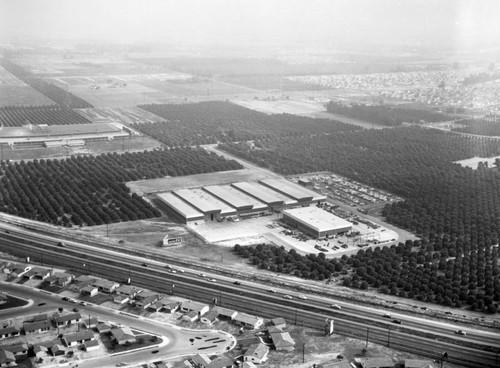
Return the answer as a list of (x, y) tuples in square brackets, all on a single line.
[(194, 181), (123, 115)]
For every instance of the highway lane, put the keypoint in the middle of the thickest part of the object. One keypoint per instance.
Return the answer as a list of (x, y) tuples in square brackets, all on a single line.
[(177, 341), (188, 288)]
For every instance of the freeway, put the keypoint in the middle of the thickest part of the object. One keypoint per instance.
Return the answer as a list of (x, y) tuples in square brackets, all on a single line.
[(175, 342), (425, 337)]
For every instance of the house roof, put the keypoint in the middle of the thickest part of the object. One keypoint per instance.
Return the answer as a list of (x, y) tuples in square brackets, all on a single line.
[(221, 363), (103, 327), (200, 359), (246, 318), (37, 317), (282, 339), (89, 288), (105, 284), (226, 312), (211, 315), (193, 306), (342, 364), (37, 271), (377, 362), (278, 321), (248, 365), (6, 357), (8, 330), (258, 351), (57, 347), (127, 289), (36, 325), (67, 317), (418, 363), (91, 343), (122, 333), (77, 336), (39, 348), (274, 329), (17, 348)]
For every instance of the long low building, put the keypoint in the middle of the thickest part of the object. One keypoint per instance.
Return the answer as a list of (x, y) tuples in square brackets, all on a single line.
[(183, 210), (295, 191), (316, 222), (211, 207), (272, 198), (245, 204)]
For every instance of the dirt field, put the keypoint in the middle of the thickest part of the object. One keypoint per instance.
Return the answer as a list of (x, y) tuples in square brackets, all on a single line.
[(193, 181), (123, 115), (474, 161)]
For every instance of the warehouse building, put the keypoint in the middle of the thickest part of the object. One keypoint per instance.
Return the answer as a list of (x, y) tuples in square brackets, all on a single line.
[(211, 207), (302, 195), (182, 210), (246, 205), (275, 200), (316, 222)]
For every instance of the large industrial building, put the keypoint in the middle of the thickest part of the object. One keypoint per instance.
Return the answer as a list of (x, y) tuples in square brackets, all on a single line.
[(241, 199), (315, 221)]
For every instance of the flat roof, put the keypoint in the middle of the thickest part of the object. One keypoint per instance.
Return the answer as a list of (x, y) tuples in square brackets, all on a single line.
[(293, 190), (204, 201), (58, 130), (264, 194), (235, 197), (183, 208), (317, 219)]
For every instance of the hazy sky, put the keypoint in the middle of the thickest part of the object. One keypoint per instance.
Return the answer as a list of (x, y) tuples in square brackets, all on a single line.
[(268, 22)]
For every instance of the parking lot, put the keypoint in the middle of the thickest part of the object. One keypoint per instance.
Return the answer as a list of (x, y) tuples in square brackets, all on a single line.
[(272, 229)]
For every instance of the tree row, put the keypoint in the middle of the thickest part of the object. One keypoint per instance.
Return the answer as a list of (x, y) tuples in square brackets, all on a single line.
[(39, 115)]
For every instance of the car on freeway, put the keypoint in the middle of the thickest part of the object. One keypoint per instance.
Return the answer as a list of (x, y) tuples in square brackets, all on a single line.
[(387, 315), (212, 280), (172, 271), (237, 283), (303, 297), (272, 291), (287, 297), (335, 306), (181, 270), (83, 303), (202, 275), (145, 265), (460, 332), (65, 298), (60, 244), (397, 321)]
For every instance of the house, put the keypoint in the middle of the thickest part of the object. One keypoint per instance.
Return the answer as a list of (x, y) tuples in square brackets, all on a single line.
[(91, 345), (341, 364), (40, 351), (90, 322), (376, 362), (15, 270), (66, 319), (226, 313), (105, 286), (123, 335), (9, 331), (165, 305), (223, 362), (90, 290), (36, 326), (190, 306), (127, 290), (103, 327), (279, 322), (37, 273), (210, 317), (7, 359), (18, 350), (57, 349), (190, 316), (59, 279), (282, 341), (248, 365), (144, 303), (75, 338), (121, 299), (247, 320), (274, 329), (162, 365), (417, 363), (198, 360), (256, 353)]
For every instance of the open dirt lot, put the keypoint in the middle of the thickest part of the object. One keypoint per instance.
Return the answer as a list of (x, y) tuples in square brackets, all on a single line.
[(194, 181), (122, 115)]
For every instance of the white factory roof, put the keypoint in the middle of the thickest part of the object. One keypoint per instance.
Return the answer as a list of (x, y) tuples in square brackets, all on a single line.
[(204, 201), (264, 194), (317, 218), (185, 209), (293, 190), (235, 197)]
